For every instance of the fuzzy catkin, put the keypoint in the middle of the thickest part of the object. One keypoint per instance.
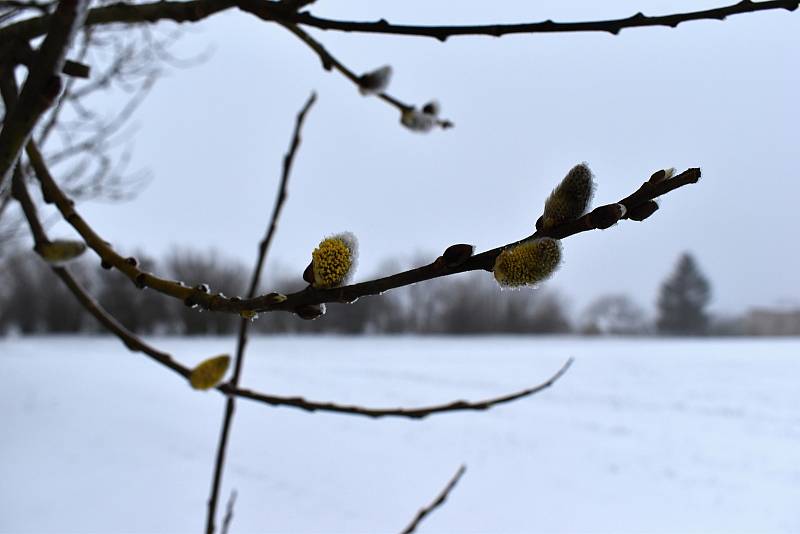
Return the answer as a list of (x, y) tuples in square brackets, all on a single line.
[(570, 199), (333, 261), (528, 263)]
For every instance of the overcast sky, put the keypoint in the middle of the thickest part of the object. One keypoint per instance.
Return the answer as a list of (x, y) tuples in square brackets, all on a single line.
[(722, 96)]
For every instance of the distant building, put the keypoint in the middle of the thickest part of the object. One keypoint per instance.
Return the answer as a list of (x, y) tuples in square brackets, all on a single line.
[(772, 322)]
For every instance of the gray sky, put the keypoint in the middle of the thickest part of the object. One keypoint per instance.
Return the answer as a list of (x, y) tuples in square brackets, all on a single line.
[(722, 96)]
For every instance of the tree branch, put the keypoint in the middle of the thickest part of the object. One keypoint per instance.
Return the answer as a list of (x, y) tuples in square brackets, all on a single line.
[(409, 413), (42, 85), (193, 11), (263, 11), (200, 296), (436, 503), (121, 12), (244, 323), (135, 344), (612, 26)]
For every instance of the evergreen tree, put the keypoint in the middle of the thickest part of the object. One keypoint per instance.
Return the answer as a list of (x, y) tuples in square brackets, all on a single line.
[(683, 299)]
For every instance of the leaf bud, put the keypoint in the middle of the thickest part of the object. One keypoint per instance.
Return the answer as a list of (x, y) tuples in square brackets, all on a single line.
[(455, 255)]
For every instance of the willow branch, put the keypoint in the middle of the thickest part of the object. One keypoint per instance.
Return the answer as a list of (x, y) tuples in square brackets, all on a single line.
[(408, 413), (135, 344), (612, 26), (42, 85), (200, 296), (280, 198), (329, 62), (193, 11), (244, 323), (436, 503), (128, 338)]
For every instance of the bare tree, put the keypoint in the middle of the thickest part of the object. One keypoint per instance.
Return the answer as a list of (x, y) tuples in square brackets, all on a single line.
[(70, 28)]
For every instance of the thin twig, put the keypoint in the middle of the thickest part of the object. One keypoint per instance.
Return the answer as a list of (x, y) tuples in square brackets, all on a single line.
[(612, 26), (226, 521), (330, 62), (244, 323), (436, 503), (408, 413)]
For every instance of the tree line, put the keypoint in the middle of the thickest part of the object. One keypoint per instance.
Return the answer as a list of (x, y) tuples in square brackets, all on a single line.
[(33, 301)]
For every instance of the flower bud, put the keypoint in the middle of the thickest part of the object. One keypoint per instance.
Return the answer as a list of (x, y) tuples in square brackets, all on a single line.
[(607, 216), (251, 315), (309, 312), (308, 273), (661, 175), (334, 260), (527, 263), (417, 121), (277, 298), (455, 255), (570, 199), (375, 82), (431, 108), (210, 372), (643, 211), (141, 280), (423, 120)]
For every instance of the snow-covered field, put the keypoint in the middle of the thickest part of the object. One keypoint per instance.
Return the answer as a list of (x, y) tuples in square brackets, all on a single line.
[(639, 436)]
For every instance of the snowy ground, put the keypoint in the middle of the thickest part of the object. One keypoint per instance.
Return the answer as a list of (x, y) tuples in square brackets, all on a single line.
[(639, 436)]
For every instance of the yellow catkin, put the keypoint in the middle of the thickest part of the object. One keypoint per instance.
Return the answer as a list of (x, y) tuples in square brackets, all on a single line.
[(333, 261), (210, 372), (571, 198), (528, 263), (60, 250)]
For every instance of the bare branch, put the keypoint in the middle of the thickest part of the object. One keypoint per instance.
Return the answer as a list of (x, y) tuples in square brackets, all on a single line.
[(199, 296), (329, 62), (612, 26), (436, 503), (280, 198), (409, 413), (193, 11), (43, 84), (135, 344), (244, 324)]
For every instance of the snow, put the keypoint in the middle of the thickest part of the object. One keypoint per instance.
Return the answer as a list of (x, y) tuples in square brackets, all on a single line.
[(639, 436)]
